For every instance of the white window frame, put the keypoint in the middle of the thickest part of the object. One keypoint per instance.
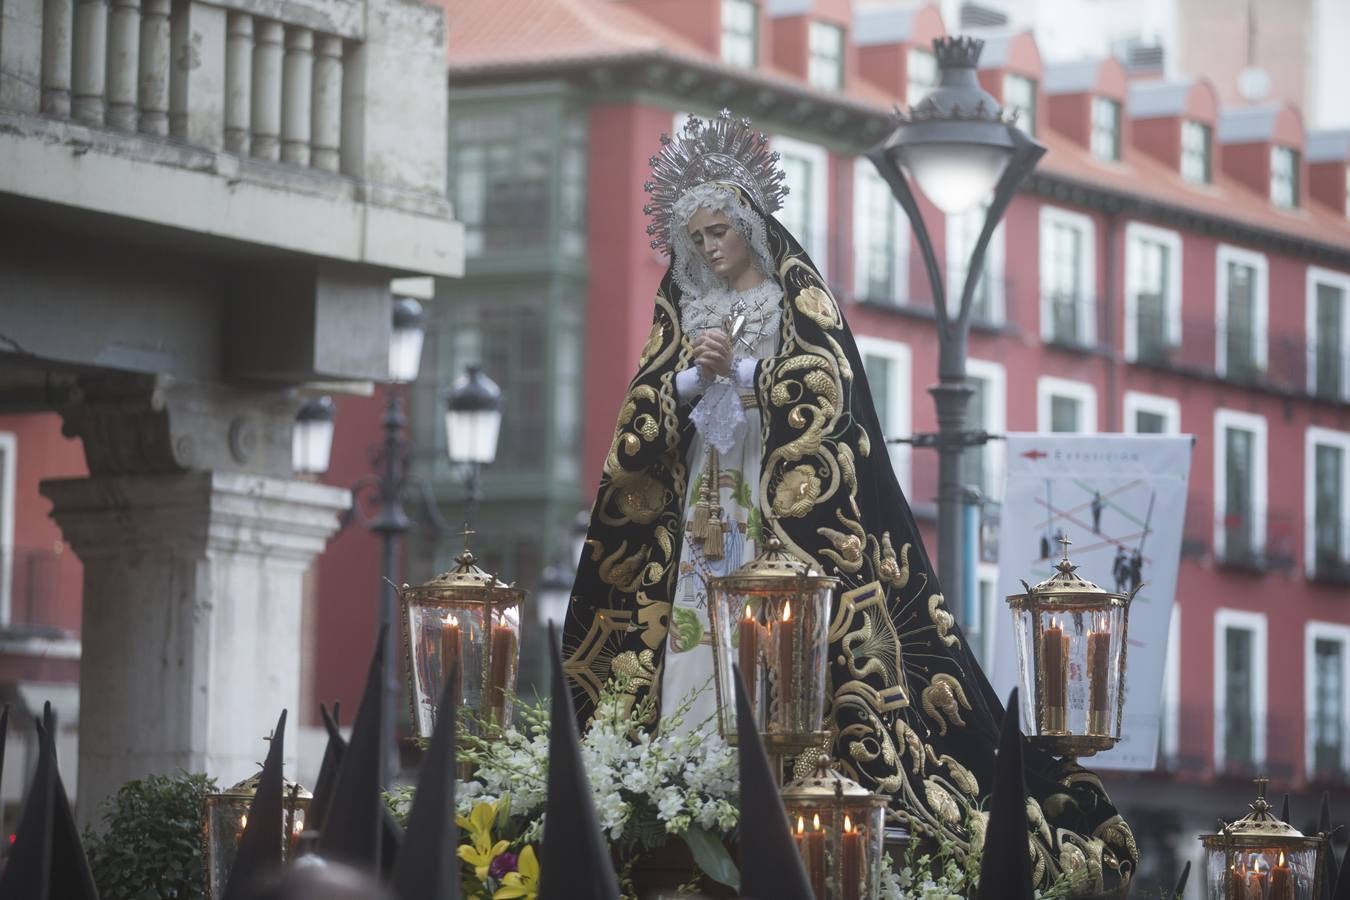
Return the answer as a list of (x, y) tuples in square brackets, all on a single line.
[(1255, 623), (1279, 151), (818, 158), (994, 261), (1334, 279), (1171, 718), (1167, 407), (1256, 424), (1135, 232), (912, 97), (865, 180), (814, 73), (1026, 119), (1314, 631), (754, 34), (9, 467), (1313, 438), (1095, 131), (1207, 133), (900, 400), (987, 573), (1048, 386), (1225, 254), (996, 420), (1087, 270)]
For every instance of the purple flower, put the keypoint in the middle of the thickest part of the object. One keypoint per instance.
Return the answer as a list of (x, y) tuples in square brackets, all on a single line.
[(503, 863)]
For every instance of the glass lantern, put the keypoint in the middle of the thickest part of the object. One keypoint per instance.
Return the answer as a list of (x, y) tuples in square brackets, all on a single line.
[(839, 829), (1071, 637), (1259, 857), (771, 617), (467, 616), (224, 816)]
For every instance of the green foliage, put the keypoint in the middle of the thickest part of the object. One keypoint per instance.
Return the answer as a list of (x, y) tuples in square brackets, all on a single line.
[(150, 845)]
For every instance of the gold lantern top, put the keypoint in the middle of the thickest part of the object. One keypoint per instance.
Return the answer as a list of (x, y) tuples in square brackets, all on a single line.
[(247, 789), (1261, 856), (773, 569), (1067, 591), (1260, 830), (826, 786), (466, 584)]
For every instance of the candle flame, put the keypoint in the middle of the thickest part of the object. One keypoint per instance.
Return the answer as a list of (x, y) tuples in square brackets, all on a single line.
[(787, 611), (1256, 865), (815, 822), (243, 821), (1281, 857), (748, 614), (848, 824), (451, 620), (801, 824), (299, 827)]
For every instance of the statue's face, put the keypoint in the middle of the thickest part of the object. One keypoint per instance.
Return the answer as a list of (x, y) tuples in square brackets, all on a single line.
[(725, 249)]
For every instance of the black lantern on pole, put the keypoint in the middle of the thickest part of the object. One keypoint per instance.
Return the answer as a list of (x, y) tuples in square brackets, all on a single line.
[(405, 340), (312, 439), (473, 420), (957, 145)]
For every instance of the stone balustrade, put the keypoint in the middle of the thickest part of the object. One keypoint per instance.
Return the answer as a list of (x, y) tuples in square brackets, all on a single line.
[(257, 78)]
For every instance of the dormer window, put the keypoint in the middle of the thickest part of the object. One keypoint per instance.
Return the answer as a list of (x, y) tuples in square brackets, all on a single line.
[(1196, 141), (1019, 94), (825, 69), (1105, 128), (921, 75), (740, 33), (1284, 177)]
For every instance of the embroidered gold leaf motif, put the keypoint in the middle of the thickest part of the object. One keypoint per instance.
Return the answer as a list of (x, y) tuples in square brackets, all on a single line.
[(685, 629), (631, 444), (796, 492), (942, 700), (817, 305), (622, 572), (823, 385), (977, 822), (864, 443), (640, 498), (962, 777), (847, 552), (941, 802), (910, 738), (653, 343), (1115, 833), (895, 572), (942, 620), (647, 427), (1071, 859)]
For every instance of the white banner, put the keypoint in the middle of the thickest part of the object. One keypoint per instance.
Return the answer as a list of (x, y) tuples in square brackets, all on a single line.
[(1121, 500)]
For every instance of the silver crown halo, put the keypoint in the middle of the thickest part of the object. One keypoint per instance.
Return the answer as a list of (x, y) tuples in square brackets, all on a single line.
[(721, 149)]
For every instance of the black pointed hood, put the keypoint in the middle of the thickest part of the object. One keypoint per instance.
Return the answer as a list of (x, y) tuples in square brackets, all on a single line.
[(328, 770), (259, 851), (1284, 809), (47, 861), (1342, 886), (427, 868), (1005, 868), (575, 860), (353, 822), (1180, 890), (771, 867), (1329, 867)]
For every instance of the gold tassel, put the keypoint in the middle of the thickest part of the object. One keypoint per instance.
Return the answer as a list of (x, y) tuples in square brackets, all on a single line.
[(712, 537), (712, 530), (701, 512)]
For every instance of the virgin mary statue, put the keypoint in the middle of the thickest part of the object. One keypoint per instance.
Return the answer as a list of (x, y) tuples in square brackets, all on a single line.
[(750, 415)]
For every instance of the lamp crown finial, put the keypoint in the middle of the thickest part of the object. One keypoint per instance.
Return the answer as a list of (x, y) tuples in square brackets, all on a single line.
[(957, 51)]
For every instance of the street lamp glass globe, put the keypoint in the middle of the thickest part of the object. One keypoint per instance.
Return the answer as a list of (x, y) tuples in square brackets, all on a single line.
[(473, 418), (405, 341), (312, 437), (955, 176)]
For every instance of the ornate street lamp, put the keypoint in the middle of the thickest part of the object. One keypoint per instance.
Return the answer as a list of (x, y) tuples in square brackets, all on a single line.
[(473, 420), (957, 145), (1260, 856), (312, 439)]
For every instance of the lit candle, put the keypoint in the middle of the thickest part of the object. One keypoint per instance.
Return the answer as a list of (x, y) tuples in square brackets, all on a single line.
[(853, 874), (1055, 661), (815, 856), (1282, 881), (450, 645), (503, 664), (747, 645), (786, 661), (1099, 675), (1255, 882)]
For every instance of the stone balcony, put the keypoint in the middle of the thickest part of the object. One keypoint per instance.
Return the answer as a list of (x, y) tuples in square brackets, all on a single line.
[(311, 126)]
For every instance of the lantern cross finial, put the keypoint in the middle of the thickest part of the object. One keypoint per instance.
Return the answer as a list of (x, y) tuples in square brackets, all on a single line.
[(1065, 542), (466, 534)]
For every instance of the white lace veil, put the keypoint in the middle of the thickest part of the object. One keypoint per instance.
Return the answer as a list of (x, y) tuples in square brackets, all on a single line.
[(691, 271)]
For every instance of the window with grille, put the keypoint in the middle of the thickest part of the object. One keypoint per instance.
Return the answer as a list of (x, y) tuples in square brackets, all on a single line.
[(795, 213), (1065, 406), (921, 75), (1066, 277), (1195, 152), (1152, 279), (1239, 475), (1330, 455), (825, 67), (1239, 698), (1105, 141), (1019, 94), (877, 235), (504, 169), (1329, 344), (1240, 350), (1146, 422), (1328, 712), (1284, 177), (887, 364), (974, 459), (740, 33), (962, 232)]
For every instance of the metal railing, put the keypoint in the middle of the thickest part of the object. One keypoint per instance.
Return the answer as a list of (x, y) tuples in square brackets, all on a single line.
[(1256, 538), (35, 590)]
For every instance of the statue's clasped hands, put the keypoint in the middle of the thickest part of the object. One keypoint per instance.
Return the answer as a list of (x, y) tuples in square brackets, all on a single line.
[(712, 353)]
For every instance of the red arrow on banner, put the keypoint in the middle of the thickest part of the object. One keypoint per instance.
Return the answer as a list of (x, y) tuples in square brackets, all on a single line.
[(1034, 455)]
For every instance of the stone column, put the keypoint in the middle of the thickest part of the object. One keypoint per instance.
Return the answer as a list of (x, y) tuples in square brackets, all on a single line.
[(124, 51), (90, 66), (58, 22), (267, 54), (238, 78), (21, 54), (197, 75), (326, 129), (297, 85), (193, 588), (154, 67)]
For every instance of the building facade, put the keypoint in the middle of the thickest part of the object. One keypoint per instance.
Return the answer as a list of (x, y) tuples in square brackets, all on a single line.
[(1175, 265)]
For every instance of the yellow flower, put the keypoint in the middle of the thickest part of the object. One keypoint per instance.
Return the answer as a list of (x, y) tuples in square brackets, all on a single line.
[(524, 882), (483, 851)]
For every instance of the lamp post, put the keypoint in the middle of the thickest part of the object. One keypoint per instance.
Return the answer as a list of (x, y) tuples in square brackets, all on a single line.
[(957, 145), (473, 420)]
